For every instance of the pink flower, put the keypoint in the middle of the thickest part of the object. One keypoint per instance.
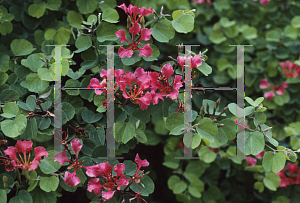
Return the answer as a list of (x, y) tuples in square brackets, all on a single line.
[(71, 179), (260, 155), (279, 89), (290, 178), (290, 69), (61, 157), (202, 1), (263, 2), (132, 12), (24, 147), (250, 161), (140, 163), (111, 182)]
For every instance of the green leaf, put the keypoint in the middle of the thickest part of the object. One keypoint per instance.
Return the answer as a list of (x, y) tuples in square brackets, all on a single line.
[(31, 129), (259, 116), (163, 31), (14, 128), (259, 186), (206, 155), (36, 10), (161, 109), (67, 113), (75, 75), (3, 196), (6, 27), (271, 181), (254, 143), (291, 32), (173, 179), (179, 187), (196, 187), (33, 181), (273, 36), (53, 4), (21, 47), (250, 33), (207, 128), (191, 140), (110, 15), (174, 120), (10, 110), (228, 130), (258, 101), (124, 131), (83, 43), (225, 22), (49, 184), (41, 196), (23, 197), (141, 136), (48, 165), (75, 19), (273, 162), (99, 151), (90, 19), (46, 74), (33, 62), (89, 116), (183, 24), (196, 168), (4, 63), (205, 69), (217, 37), (86, 6), (145, 191), (107, 4), (60, 36), (295, 22), (106, 31), (34, 84), (88, 146), (72, 84), (144, 116), (98, 136)]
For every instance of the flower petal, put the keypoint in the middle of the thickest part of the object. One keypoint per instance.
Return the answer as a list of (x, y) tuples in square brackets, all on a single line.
[(280, 91), (181, 60), (145, 12), (140, 162), (11, 152), (177, 82), (76, 145), (146, 51), (269, 95), (24, 146), (94, 185), (33, 165), (144, 101), (71, 179), (125, 52), (121, 34), (264, 84), (61, 157), (124, 7), (167, 70), (39, 152), (135, 29), (108, 195), (155, 97), (173, 95), (146, 34), (196, 61), (119, 168)]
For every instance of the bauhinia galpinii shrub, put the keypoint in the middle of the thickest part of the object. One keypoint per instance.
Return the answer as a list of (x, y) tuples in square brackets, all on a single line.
[(175, 136)]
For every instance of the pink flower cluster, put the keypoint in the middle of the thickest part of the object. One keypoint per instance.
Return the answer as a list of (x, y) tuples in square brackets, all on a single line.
[(263, 2), (279, 89), (290, 175), (202, 2), (290, 69), (252, 161), (132, 12), (195, 61), (112, 182), (24, 163), (140, 81)]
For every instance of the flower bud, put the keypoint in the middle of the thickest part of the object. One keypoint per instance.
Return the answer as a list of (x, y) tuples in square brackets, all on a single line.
[(128, 22), (5, 181), (180, 48), (217, 103), (25, 172), (207, 108), (269, 128), (17, 184), (202, 111), (142, 21)]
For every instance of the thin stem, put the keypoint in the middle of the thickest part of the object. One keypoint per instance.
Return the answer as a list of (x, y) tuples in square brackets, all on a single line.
[(246, 127)]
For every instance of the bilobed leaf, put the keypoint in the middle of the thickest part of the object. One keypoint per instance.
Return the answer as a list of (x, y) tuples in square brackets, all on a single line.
[(174, 120), (89, 116), (254, 143), (124, 131), (83, 43), (110, 15), (10, 109), (13, 128), (4, 63), (191, 140), (31, 129), (183, 24), (206, 155), (86, 6), (75, 19), (48, 165), (205, 69), (145, 191), (41, 196), (273, 162), (22, 197), (36, 10), (49, 184), (163, 31), (271, 181), (21, 47), (34, 84), (106, 31), (217, 37)]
